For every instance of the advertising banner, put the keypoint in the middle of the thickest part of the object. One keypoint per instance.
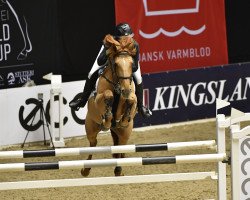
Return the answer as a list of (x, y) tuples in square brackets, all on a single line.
[(20, 116), (176, 34), (184, 95), (28, 50), (175, 96)]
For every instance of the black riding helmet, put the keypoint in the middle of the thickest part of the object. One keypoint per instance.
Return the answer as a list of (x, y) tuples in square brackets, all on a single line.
[(123, 29)]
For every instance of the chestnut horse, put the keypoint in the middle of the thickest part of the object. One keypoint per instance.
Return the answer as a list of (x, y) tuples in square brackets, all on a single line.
[(114, 105)]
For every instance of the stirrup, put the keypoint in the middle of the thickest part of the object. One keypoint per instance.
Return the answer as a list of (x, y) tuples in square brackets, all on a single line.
[(75, 104), (145, 112)]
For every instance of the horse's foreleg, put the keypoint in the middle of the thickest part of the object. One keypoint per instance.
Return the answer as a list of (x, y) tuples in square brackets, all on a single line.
[(120, 110), (130, 111), (104, 104), (134, 106)]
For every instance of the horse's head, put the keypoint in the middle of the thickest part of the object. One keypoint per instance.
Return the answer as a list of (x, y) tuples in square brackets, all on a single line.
[(120, 56), (123, 70)]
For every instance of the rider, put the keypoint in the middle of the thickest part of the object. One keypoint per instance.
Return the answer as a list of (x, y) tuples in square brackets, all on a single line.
[(122, 29)]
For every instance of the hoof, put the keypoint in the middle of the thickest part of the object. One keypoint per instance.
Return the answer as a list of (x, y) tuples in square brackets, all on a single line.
[(105, 129), (123, 124), (119, 174), (85, 172), (118, 171)]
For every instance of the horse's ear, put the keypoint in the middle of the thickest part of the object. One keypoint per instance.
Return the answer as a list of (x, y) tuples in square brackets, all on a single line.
[(109, 40), (106, 41), (118, 48)]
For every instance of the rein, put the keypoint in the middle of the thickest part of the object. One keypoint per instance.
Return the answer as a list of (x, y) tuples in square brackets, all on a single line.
[(116, 85)]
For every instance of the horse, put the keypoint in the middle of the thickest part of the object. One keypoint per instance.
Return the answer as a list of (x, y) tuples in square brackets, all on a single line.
[(114, 105)]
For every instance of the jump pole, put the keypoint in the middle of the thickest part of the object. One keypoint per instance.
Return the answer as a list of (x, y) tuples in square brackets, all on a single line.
[(222, 123), (109, 149), (152, 178), (137, 161)]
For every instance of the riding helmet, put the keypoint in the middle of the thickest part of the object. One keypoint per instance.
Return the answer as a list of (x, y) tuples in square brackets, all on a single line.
[(123, 29)]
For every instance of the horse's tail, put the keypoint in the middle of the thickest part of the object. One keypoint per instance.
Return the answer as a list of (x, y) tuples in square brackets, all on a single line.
[(115, 137)]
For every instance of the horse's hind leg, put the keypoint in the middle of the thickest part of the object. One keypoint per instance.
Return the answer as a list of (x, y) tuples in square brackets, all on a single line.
[(85, 171), (91, 130), (121, 139), (118, 169)]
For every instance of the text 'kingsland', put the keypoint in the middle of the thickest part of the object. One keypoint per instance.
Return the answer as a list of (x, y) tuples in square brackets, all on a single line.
[(200, 93)]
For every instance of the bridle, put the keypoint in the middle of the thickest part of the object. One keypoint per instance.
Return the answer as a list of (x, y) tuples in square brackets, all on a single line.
[(116, 85)]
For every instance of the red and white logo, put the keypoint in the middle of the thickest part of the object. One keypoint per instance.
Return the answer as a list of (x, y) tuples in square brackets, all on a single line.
[(170, 10), (176, 34)]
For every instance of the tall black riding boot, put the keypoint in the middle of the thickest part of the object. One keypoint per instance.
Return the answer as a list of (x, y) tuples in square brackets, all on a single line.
[(144, 111), (81, 101)]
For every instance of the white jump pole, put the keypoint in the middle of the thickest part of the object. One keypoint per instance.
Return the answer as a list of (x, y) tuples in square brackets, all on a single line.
[(137, 161), (152, 178), (207, 144)]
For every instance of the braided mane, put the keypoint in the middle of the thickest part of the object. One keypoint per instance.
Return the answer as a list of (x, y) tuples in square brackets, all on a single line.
[(124, 44)]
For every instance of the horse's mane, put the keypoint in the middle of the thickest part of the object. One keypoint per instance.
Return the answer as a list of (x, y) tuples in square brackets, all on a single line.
[(124, 44)]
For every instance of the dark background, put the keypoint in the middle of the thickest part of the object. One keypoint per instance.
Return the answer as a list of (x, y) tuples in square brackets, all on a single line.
[(83, 25), (67, 35), (238, 30), (88, 19)]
